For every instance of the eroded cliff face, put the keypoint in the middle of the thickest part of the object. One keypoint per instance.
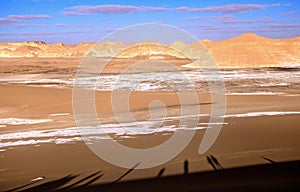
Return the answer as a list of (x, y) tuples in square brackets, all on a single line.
[(247, 50), (41, 49)]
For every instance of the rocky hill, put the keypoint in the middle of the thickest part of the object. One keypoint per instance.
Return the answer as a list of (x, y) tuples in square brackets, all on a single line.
[(253, 50), (41, 49), (247, 50)]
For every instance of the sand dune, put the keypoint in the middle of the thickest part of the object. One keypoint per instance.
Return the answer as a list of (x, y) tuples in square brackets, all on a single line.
[(253, 50)]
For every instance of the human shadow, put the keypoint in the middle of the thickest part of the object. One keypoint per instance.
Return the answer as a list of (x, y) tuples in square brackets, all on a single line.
[(210, 161), (126, 173), (267, 159), (160, 173), (186, 167), (216, 162)]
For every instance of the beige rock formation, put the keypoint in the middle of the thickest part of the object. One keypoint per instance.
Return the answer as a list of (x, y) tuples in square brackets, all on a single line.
[(247, 50), (250, 50)]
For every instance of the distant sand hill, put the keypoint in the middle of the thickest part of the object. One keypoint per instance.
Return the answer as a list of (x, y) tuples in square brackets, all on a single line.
[(253, 50), (247, 50)]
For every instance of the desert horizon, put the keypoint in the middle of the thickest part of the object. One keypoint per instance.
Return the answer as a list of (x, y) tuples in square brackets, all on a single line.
[(246, 50)]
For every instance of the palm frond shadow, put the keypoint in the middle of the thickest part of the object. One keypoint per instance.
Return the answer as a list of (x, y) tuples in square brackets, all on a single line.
[(60, 185)]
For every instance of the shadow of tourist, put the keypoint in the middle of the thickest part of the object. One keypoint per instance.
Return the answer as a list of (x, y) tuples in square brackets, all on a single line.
[(161, 172), (216, 162), (210, 161), (186, 167)]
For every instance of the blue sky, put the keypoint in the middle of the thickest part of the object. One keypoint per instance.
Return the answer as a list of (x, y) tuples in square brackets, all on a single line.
[(73, 21)]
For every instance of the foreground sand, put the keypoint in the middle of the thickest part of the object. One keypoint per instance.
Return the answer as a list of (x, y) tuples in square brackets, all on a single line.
[(242, 141)]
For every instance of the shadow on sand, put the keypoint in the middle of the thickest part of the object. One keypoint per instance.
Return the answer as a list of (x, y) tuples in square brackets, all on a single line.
[(283, 176)]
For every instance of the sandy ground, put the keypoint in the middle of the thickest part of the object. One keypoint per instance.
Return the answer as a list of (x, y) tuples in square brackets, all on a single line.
[(67, 66), (242, 141)]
